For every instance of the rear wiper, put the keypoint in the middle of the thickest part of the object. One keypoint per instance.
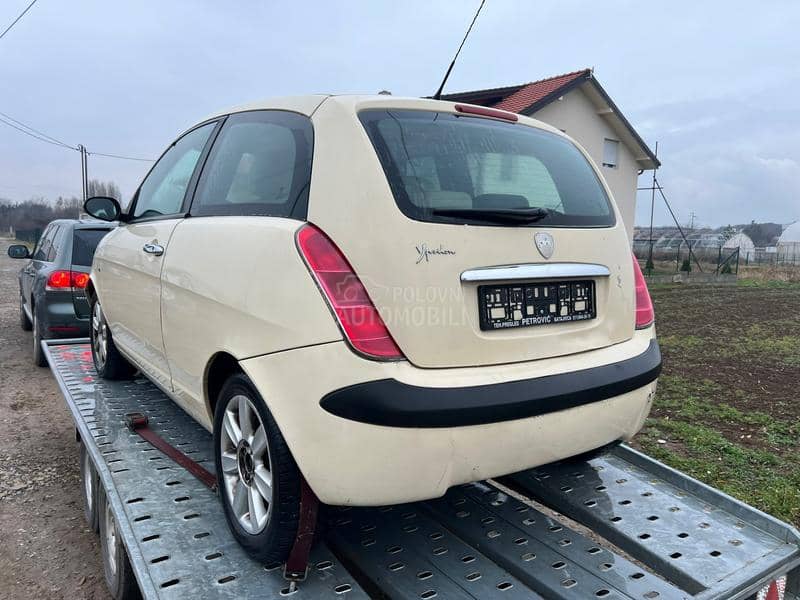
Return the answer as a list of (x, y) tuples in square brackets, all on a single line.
[(496, 215)]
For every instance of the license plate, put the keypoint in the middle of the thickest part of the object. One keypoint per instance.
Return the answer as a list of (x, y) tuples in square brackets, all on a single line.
[(530, 304)]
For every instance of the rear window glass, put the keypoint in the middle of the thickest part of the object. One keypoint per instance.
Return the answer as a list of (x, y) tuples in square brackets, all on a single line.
[(439, 162), (84, 243)]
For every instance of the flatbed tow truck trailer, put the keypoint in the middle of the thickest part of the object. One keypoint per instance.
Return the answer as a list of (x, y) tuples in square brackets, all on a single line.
[(619, 526)]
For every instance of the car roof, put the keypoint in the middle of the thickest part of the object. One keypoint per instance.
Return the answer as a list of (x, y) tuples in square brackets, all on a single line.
[(307, 105), (84, 223)]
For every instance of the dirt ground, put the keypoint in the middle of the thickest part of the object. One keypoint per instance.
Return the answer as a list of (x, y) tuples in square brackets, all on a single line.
[(47, 550), (726, 411)]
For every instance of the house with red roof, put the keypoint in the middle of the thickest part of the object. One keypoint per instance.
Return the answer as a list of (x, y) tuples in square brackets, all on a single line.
[(578, 105)]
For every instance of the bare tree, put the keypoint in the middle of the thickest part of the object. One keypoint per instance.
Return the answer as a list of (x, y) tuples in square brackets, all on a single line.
[(104, 188)]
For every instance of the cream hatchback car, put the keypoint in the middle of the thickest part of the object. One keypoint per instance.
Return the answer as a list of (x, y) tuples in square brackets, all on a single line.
[(384, 296)]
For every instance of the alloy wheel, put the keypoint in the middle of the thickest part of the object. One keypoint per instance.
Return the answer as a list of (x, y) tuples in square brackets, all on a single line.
[(111, 539), (88, 484), (36, 337), (246, 465), (99, 335)]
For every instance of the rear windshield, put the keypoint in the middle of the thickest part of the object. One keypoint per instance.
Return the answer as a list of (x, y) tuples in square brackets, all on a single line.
[(84, 243), (440, 163)]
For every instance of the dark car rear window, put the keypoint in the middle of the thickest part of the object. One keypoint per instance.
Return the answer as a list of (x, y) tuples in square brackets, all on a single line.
[(84, 243), (441, 161)]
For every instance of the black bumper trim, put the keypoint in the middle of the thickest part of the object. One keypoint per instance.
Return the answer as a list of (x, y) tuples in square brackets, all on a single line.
[(395, 404)]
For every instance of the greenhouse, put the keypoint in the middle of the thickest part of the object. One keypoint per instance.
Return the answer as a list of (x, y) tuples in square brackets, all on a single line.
[(789, 244), (742, 241), (672, 240)]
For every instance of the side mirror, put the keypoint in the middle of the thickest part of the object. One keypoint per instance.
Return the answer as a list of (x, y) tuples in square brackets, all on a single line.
[(18, 251), (103, 208)]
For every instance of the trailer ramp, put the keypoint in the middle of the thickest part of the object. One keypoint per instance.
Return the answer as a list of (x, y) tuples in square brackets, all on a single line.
[(477, 542)]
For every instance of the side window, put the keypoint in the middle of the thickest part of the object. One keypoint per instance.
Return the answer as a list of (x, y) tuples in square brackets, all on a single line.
[(164, 188), (56, 238), (260, 165), (52, 250), (39, 252)]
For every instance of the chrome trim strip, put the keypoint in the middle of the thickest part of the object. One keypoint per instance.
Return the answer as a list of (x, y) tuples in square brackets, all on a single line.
[(535, 271)]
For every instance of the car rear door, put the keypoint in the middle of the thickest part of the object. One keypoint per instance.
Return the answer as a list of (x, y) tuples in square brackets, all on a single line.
[(42, 264), (128, 270), (39, 255)]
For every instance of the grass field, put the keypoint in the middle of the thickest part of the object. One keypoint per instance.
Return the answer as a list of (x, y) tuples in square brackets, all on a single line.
[(727, 409)]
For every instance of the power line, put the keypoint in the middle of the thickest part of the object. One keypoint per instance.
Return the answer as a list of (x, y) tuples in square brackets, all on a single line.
[(14, 22), (38, 137), (36, 131), (122, 157), (43, 137)]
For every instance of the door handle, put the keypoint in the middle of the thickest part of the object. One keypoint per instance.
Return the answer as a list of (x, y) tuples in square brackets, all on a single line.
[(154, 249)]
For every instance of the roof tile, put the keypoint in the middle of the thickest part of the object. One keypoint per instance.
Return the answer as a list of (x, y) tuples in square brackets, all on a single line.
[(535, 91)]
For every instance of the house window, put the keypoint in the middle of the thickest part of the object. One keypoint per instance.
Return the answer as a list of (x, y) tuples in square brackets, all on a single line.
[(610, 153)]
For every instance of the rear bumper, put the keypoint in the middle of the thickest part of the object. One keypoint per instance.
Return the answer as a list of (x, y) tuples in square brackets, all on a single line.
[(396, 404), (357, 463), (58, 318)]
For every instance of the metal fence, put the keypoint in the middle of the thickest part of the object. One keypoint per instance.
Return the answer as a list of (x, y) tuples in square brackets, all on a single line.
[(760, 256), (666, 261)]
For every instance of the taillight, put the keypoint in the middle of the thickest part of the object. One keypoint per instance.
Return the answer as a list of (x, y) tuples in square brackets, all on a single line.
[(775, 590), (59, 280), (359, 319), (645, 315), (63, 281), (80, 280)]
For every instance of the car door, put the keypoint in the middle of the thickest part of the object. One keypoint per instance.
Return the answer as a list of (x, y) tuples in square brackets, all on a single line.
[(40, 266), (28, 272), (128, 269)]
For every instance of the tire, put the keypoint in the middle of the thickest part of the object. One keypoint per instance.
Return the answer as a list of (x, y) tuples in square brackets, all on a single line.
[(269, 536), (108, 362), (24, 321), (117, 569), (39, 358), (89, 481)]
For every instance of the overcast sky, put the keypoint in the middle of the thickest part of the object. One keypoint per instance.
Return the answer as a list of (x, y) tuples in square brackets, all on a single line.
[(716, 83)]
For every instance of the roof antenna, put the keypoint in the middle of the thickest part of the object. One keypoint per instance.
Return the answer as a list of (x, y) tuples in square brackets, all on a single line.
[(438, 94)]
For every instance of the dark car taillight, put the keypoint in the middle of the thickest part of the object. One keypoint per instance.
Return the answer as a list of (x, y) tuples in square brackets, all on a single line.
[(359, 319), (64, 281), (645, 315)]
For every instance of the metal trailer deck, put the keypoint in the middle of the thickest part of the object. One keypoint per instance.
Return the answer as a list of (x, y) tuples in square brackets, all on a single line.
[(670, 536)]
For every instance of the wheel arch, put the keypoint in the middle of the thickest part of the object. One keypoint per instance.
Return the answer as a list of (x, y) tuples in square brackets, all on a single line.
[(219, 368), (91, 294)]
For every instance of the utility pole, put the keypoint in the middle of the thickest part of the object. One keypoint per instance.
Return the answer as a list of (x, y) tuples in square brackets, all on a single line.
[(648, 266), (84, 171), (691, 224)]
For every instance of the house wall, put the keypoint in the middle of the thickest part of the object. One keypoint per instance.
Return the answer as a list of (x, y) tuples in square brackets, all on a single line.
[(577, 116)]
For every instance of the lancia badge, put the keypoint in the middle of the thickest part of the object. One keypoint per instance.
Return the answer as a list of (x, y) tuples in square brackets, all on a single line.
[(545, 244)]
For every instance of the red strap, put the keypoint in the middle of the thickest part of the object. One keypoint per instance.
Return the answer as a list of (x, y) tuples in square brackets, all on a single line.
[(297, 563), (138, 422)]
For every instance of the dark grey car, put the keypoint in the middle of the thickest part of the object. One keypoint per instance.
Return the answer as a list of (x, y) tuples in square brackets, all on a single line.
[(52, 300)]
